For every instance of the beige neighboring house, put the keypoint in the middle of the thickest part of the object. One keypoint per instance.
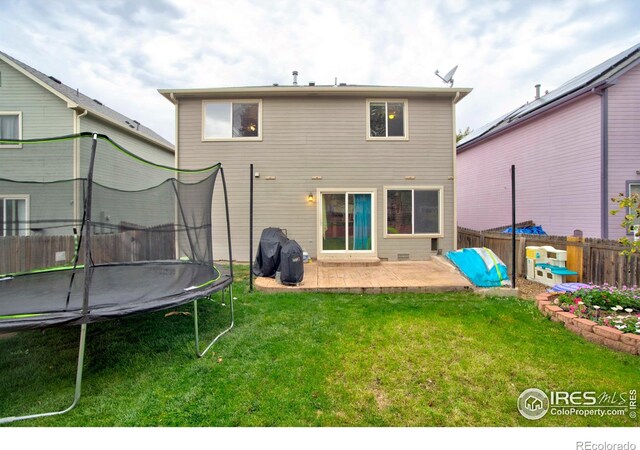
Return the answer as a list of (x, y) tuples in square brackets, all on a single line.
[(350, 171)]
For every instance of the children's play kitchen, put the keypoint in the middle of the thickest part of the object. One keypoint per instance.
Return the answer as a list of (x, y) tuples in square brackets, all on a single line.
[(547, 265)]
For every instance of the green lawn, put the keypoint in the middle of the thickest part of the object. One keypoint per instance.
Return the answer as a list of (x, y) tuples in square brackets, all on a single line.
[(314, 360)]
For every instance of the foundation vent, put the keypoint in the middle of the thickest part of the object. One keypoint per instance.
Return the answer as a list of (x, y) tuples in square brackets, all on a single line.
[(403, 257)]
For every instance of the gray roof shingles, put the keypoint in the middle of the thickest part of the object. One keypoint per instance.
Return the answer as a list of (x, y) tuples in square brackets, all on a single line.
[(90, 104)]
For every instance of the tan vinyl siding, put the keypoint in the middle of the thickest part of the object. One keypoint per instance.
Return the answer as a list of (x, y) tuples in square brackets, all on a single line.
[(43, 115), (304, 137)]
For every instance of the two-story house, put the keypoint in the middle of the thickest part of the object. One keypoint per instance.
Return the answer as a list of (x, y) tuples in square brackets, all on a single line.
[(349, 171), (35, 106)]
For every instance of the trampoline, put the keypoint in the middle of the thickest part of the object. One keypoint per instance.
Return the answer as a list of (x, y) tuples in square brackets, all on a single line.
[(130, 237)]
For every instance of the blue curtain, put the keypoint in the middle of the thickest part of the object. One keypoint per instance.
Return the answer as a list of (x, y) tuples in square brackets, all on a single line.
[(362, 222)]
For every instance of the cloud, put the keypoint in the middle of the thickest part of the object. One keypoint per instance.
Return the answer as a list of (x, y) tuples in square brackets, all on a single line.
[(121, 51)]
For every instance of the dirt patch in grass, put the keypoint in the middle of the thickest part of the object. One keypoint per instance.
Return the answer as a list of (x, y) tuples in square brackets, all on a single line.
[(529, 289)]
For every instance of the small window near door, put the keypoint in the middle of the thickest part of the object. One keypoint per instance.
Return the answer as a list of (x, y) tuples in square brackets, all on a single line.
[(13, 216), (413, 211)]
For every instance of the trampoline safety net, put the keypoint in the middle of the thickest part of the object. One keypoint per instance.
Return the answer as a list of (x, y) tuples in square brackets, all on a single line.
[(143, 230)]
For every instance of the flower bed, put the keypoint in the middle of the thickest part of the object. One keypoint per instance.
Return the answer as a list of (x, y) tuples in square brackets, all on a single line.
[(602, 314), (605, 305)]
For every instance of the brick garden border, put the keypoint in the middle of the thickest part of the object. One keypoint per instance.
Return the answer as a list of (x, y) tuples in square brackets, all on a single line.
[(591, 331)]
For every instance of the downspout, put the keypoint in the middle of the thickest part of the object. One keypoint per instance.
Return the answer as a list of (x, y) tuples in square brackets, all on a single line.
[(455, 197), (604, 163), (76, 165), (174, 100)]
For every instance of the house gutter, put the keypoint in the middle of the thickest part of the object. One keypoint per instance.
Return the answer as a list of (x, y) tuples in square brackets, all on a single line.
[(174, 100)]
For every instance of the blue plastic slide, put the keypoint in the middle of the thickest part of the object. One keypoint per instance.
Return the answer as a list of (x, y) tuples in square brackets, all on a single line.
[(481, 266)]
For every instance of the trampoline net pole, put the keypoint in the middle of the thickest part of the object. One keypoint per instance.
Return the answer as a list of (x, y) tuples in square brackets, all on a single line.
[(87, 228), (251, 227), (226, 208)]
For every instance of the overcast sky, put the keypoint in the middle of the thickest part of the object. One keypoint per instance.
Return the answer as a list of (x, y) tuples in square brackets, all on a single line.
[(121, 52)]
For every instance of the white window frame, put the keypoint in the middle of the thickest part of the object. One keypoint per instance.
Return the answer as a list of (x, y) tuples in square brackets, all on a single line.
[(346, 191), (27, 210), (231, 101), (405, 108), (629, 231), (13, 113), (413, 235)]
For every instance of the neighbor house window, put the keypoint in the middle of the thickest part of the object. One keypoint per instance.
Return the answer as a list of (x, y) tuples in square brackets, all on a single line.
[(10, 127), (387, 119), (226, 120), (414, 211), (634, 188), (13, 216)]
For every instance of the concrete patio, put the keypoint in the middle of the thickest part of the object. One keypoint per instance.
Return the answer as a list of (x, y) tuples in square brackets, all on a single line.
[(436, 275)]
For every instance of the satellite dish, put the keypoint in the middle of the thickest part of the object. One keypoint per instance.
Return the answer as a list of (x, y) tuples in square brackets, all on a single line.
[(448, 78)]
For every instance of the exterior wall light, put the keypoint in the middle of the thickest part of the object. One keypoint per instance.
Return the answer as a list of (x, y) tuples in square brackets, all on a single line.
[(310, 197)]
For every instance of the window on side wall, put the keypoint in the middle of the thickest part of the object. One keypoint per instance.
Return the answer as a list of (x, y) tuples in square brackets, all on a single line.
[(231, 120), (10, 128), (634, 188), (387, 119), (14, 211), (413, 212)]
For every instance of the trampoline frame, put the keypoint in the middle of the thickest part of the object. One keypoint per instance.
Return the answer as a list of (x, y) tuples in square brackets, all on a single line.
[(88, 270)]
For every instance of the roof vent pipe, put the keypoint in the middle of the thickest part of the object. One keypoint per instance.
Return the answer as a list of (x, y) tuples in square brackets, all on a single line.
[(295, 77), (537, 91)]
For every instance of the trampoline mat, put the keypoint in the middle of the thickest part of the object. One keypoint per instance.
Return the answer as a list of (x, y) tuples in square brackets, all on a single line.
[(39, 300)]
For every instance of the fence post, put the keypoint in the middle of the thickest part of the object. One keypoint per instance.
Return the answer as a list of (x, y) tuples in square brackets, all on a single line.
[(586, 258), (522, 261), (575, 258)]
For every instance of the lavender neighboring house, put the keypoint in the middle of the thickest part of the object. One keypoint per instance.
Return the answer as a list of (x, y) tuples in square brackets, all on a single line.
[(574, 148)]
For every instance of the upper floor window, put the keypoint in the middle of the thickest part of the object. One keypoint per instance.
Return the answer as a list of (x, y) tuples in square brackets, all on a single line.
[(10, 127), (13, 215), (228, 120), (387, 119)]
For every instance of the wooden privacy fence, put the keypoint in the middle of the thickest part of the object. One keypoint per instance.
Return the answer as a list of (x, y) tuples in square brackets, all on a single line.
[(24, 253), (597, 261)]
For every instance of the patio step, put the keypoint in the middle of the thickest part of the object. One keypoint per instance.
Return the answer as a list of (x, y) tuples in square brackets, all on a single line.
[(350, 262)]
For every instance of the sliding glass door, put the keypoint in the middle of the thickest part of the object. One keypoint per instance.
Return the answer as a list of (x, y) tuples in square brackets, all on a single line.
[(347, 222)]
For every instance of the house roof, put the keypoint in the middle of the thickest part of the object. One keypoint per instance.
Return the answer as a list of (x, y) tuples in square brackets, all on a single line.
[(315, 90), (598, 77), (76, 99)]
